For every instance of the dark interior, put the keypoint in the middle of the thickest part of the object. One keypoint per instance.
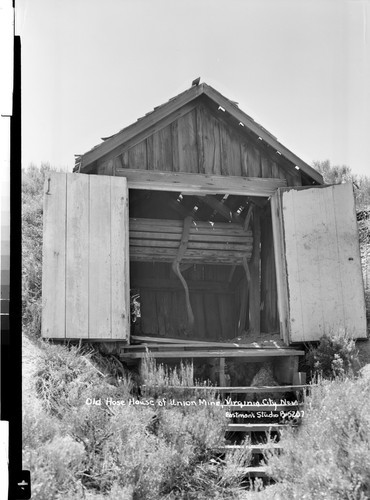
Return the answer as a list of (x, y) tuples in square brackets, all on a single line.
[(225, 302)]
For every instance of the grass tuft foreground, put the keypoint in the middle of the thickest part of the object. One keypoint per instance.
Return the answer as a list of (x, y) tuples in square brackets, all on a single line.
[(77, 449)]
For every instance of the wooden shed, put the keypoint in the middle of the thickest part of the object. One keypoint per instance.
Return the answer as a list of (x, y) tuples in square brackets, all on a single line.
[(216, 229)]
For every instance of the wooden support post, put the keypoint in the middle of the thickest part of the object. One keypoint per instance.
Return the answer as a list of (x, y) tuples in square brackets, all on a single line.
[(255, 285), (286, 370), (299, 378), (220, 208), (248, 216), (222, 378)]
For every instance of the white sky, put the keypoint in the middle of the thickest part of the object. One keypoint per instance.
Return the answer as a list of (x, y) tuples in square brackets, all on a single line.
[(300, 68)]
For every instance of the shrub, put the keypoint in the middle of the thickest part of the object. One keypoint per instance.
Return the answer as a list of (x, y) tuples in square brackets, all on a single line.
[(172, 381), (335, 355), (328, 456), (141, 452), (32, 213)]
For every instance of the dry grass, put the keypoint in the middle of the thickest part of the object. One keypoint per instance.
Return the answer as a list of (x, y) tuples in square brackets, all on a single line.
[(328, 457)]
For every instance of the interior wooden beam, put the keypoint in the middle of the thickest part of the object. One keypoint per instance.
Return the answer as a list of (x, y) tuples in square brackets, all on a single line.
[(200, 183), (221, 208), (248, 216)]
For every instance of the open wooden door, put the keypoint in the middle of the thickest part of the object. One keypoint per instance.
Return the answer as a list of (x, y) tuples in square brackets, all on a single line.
[(318, 267), (85, 278)]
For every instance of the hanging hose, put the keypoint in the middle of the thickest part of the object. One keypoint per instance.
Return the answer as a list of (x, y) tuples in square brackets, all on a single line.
[(176, 268)]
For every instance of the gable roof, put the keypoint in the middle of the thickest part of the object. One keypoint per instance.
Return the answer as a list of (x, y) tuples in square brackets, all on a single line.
[(109, 144)]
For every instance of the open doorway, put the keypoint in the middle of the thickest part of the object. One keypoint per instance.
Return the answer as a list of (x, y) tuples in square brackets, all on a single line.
[(227, 288)]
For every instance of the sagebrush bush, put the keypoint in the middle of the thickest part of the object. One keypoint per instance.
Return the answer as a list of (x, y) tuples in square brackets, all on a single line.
[(328, 456), (148, 453), (157, 378), (32, 224), (336, 355)]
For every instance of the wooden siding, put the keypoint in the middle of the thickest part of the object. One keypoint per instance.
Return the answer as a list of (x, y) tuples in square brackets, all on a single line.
[(269, 313), (85, 258), (202, 141), (322, 263), (163, 309)]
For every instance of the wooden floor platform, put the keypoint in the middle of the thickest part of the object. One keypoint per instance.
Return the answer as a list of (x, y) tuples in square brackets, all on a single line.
[(256, 427), (211, 353), (254, 448)]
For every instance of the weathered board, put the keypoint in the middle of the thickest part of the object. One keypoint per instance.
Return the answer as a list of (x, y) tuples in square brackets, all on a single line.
[(54, 257), (86, 291), (198, 140), (156, 240), (269, 313), (322, 258), (162, 299)]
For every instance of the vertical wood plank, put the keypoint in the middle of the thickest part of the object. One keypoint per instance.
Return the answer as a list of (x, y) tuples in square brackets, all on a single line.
[(266, 168), (223, 309), (348, 247), (150, 152), (137, 156), (109, 170), (77, 256), (188, 155), (269, 318), (54, 256), (175, 146), (120, 260), (243, 307), (162, 149), (323, 263), (179, 313), (118, 162), (280, 266), (230, 152), (244, 159), (275, 170), (161, 312), (222, 377), (99, 250), (255, 286), (197, 305), (226, 304), (200, 134), (211, 144), (309, 253), (250, 160), (212, 317), (168, 316), (149, 319)]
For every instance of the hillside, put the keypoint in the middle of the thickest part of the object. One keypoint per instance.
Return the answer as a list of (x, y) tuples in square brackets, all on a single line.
[(78, 450)]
